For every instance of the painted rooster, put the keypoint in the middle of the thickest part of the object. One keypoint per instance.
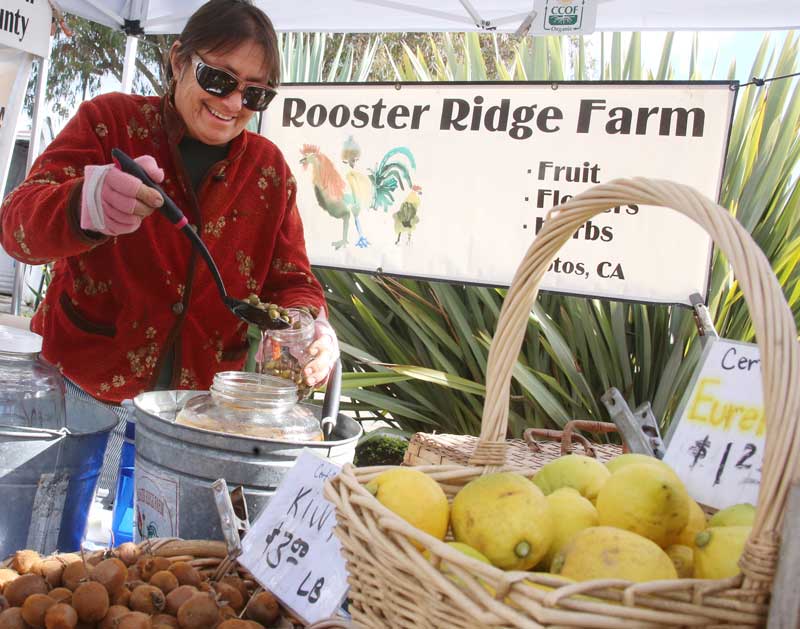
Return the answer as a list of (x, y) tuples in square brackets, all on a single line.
[(333, 193), (406, 219)]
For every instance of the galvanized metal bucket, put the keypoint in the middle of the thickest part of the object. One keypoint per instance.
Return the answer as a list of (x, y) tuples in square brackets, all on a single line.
[(176, 465), (48, 477)]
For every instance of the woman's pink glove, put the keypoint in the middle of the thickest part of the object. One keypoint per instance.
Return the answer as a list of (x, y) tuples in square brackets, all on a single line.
[(114, 202), (324, 352)]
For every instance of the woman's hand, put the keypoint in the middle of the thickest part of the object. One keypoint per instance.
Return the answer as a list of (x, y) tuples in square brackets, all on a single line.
[(324, 351), (114, 202)]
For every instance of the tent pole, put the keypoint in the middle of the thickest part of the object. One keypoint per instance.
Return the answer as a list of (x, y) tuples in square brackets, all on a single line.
[(129, 64)]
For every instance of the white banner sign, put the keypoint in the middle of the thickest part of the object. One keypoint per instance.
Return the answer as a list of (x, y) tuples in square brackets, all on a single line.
[(444, 181), (717, 445), (25, 25)]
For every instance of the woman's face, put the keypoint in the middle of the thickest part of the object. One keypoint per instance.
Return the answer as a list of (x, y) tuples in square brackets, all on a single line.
[(212, 119)]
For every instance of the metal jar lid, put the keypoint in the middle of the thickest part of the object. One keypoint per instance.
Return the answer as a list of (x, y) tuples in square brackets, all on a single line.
[(18, 341)]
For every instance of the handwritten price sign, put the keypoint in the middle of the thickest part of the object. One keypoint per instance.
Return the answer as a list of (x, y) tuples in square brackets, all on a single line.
[(717, 445), (291, 549)]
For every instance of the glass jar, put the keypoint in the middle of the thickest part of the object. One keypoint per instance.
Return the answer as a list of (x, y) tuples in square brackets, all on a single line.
[(252, 405), (31, 390), (284, 353)]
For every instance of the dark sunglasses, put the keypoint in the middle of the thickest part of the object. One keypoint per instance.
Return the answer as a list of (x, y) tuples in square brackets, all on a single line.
[(219, 82)]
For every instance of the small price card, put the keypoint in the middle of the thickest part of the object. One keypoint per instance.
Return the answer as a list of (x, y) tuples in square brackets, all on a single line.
[(291, 549), (717, 441)]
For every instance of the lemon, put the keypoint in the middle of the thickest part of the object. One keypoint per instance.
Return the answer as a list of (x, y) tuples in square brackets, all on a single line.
[(583, 473), (737, 515), (572, 513), (718, 550), (469, 551), (647, 500), (697, 522), (631, 458), (604, 552), (505, 517), (682, 558), (416, 498)]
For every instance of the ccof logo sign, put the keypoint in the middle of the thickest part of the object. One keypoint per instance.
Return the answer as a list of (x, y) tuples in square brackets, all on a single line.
[(563, 14)]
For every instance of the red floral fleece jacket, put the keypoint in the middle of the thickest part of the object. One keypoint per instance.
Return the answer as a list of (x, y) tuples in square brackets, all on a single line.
[(116, 304)]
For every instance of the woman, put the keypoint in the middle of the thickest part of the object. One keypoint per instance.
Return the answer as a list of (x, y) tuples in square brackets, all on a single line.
[(131, 308)]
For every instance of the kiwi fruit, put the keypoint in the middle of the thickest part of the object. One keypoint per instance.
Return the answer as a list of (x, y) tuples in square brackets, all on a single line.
[(162, 621), (6, 576), (12, 619), (178, 597), (238, 583), (129, 553), (186, 573), (236, 623), (148, 566), (91, 601), (50, 569), (21, 588), (61, 595), (114, 613), (123, 597), (263, 608), (230, 595), (111, 573), (74, 574), (134, 620), (165, 581), (134, 574), (35, 607), (199, 612), (61, 616), (24, 561), (147, 599)]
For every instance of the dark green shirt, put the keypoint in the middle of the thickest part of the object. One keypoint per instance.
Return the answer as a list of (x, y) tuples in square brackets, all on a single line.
[(198, 158)]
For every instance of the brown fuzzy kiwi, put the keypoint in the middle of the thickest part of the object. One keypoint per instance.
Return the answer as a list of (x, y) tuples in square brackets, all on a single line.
[(61, 616), (61, 595), (129, 553), (199, 612), (162, 621), (114, 613), (238, 583), (165, 581), (263, 608), (178, 597), (21, 588), (134, 574), (68, 558), (147, 599), (111, 573), (35, 607), (91, 601), (123, 597), (23, 561), (134, 620), (50, 569), (226, 611), (186, 573), (204, 586), (236, 623), (6, 576), (74, 574), (12, 619), (132, 585), (148, 566), (230, 595)]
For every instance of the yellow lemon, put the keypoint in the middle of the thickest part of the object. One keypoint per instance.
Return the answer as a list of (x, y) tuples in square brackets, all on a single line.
[(583, 473), (415, 497), (469, 551), (682, 558), (505, 517), (646, 500), (718, 550), (631, 458), (605, 552), (737, 515), (697, 522), (571, 513)]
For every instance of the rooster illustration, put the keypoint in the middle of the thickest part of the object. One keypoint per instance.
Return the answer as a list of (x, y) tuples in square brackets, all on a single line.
[(406, 219), (345, 196)]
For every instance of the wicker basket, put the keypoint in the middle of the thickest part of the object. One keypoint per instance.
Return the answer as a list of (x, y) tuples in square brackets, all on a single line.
[(393, 585)]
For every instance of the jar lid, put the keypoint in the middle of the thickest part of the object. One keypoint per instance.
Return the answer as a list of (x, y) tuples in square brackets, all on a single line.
[(18, 341)]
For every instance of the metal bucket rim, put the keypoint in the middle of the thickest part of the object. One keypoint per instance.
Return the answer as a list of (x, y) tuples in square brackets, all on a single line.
[(96, 406)]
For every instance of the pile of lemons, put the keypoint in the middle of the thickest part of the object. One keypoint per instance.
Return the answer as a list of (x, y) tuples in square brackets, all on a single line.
[(630, 518)]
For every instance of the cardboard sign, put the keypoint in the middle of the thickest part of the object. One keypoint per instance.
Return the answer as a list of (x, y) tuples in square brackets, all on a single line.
[(454, 181), (25, 25), (291, 549), (564, 17), (717, 439)]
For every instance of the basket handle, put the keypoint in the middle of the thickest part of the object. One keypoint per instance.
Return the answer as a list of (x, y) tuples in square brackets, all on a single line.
[(774, 324), (568, 435)]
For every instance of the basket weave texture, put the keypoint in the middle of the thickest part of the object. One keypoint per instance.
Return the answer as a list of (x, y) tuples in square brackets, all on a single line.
[(393, 585)]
